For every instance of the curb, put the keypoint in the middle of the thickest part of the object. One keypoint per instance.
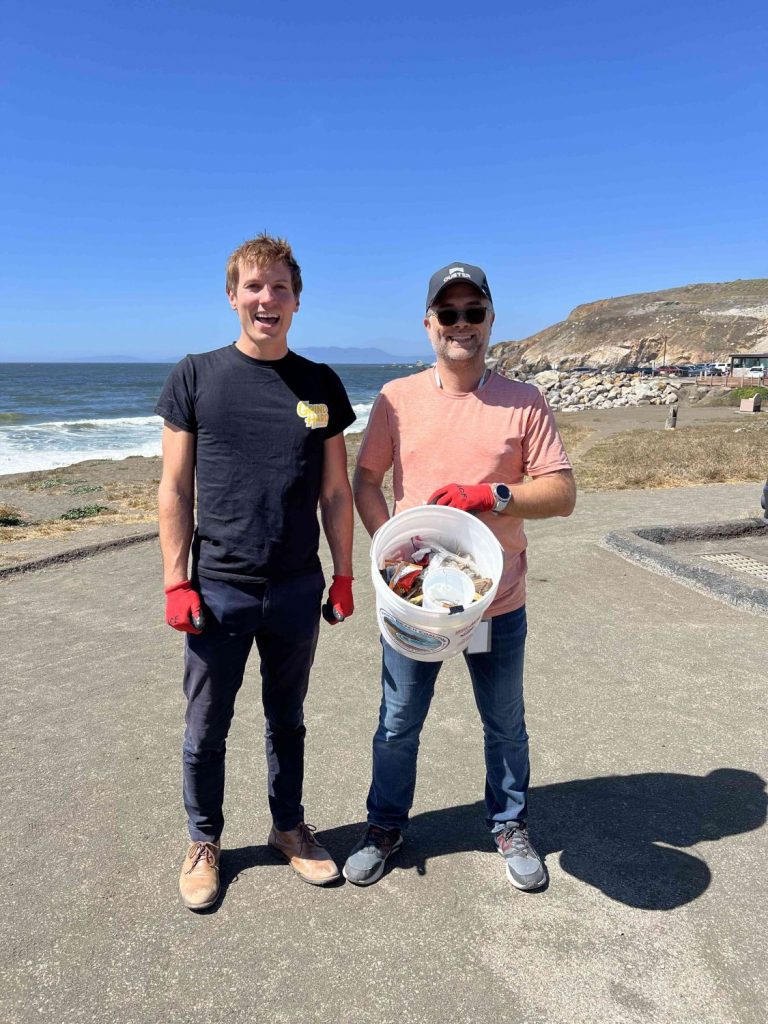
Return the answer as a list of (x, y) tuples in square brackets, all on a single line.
[(646, 546), (74, 554)]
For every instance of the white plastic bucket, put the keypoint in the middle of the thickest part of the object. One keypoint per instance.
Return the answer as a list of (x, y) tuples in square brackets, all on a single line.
[(416, 632)]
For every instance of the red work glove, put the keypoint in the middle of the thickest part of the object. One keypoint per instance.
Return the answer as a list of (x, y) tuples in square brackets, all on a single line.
[(183, 608), (468, 497), (340, 604)]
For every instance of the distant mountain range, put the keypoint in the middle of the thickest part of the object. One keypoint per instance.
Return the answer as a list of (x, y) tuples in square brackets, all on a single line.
[(321, 354), (336, 354)]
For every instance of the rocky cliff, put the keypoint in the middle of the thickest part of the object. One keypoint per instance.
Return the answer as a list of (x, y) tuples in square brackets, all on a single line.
[(695, 323)]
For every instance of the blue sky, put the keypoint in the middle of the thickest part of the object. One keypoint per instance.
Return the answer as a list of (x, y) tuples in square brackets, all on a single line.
[(575, 151)]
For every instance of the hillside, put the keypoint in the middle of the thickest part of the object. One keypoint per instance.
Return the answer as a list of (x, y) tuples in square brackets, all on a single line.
[(701, 322)]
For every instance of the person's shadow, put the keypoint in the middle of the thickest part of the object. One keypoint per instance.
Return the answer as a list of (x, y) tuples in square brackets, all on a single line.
[(619, 833)]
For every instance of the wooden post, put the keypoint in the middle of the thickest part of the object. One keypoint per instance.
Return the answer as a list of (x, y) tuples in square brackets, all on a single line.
[(671, 418)]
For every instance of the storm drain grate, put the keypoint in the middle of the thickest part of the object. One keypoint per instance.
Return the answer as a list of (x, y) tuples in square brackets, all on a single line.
[(741, 563)]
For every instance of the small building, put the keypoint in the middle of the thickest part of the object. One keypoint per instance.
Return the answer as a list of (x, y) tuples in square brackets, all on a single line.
[(742, 362)]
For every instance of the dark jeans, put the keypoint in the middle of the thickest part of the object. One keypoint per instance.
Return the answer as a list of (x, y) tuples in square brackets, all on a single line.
[(282, 618), (407, 689)]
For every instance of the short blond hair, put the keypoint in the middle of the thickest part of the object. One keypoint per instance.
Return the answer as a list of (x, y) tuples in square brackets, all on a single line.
[(264, 250)]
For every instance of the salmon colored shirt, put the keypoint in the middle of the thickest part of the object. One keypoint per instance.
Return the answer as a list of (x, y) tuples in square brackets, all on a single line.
[(500, 433)]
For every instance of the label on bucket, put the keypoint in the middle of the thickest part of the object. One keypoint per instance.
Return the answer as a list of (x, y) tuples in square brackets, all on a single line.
[(417, 641)]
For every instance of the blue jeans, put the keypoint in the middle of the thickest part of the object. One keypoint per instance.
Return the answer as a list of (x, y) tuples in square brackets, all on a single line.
[(407, 689), (282, 619)]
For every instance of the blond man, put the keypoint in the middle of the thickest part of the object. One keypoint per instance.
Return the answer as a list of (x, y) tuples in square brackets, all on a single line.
[(255, 432)]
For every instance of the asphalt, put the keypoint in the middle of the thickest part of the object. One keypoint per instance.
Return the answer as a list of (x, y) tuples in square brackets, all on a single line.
[(646, 705)]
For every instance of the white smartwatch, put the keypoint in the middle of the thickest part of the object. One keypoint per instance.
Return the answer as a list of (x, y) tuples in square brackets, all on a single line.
[(502, 496)]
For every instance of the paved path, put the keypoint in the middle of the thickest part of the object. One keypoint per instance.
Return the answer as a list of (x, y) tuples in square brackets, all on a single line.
[(646, 707)]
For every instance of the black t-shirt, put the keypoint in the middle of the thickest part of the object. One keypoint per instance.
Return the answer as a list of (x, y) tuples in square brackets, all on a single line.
[(259, 431)]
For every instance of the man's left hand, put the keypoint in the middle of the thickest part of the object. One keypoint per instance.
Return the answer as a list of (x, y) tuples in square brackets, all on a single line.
[(340, 603), (468, 497)]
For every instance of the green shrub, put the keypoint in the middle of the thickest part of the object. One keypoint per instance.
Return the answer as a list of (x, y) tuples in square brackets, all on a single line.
[(748, 391), (84, 512)]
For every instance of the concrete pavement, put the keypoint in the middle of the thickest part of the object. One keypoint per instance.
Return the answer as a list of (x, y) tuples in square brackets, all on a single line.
[(646, 707)]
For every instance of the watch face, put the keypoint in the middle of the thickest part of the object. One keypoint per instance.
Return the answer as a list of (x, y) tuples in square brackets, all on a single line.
[(503, 492)]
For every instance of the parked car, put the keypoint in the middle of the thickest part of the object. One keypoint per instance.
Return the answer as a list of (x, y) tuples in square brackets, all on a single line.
[(584, 369), (646, 371), (751, 372), (668, 371)]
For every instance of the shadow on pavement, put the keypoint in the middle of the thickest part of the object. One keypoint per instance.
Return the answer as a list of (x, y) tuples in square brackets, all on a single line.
[(240, 859), (232, 863), (618, 833), (621, 833)]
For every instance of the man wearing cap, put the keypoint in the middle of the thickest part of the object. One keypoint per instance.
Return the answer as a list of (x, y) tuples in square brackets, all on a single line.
[(258, 432), (462, 435)]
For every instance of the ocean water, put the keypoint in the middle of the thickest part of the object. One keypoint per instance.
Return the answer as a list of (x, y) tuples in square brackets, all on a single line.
[(57, 414)]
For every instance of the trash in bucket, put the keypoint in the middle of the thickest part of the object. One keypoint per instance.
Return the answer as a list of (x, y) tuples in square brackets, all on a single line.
[(412, 546), (406, 574), (446, 590)]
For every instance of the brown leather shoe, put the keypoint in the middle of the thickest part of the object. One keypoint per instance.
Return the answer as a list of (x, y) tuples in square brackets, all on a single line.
[(199, 880), (305, 855)]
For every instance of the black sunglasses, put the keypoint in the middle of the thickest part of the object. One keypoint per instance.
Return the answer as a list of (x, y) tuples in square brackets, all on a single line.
[(449, 317)]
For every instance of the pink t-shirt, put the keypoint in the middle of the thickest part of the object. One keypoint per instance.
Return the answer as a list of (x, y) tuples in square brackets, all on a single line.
[(498, 434)]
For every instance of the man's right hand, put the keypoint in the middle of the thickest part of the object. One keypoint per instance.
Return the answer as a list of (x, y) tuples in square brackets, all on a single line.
[(467, 497), (183, 608)]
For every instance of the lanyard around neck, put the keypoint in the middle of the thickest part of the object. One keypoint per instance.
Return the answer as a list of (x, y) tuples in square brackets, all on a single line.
[(480, 384)]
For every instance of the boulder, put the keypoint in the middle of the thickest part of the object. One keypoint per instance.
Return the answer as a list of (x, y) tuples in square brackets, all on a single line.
[(547, 379)]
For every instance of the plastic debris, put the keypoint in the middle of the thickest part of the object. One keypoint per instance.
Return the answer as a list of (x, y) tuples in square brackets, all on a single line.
[(403, 570)]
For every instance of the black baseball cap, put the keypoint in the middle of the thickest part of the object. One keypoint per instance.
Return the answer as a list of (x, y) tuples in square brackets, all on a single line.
[(457, 272)]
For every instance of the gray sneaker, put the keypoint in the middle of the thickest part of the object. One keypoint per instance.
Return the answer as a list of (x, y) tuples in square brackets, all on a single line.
[(367, 859), (525, 869)]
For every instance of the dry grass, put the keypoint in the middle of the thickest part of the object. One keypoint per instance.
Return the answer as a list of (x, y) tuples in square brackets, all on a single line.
[(60, 480), (572, 434), (59, 527), (127, 504), (140, 499), (9, 514), (676, 458)]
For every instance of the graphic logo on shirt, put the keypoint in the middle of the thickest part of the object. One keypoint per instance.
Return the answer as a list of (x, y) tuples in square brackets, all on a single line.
[(314, 416)]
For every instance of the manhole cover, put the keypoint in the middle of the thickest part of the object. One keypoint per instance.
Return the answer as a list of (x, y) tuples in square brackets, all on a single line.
[(741, 563)]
